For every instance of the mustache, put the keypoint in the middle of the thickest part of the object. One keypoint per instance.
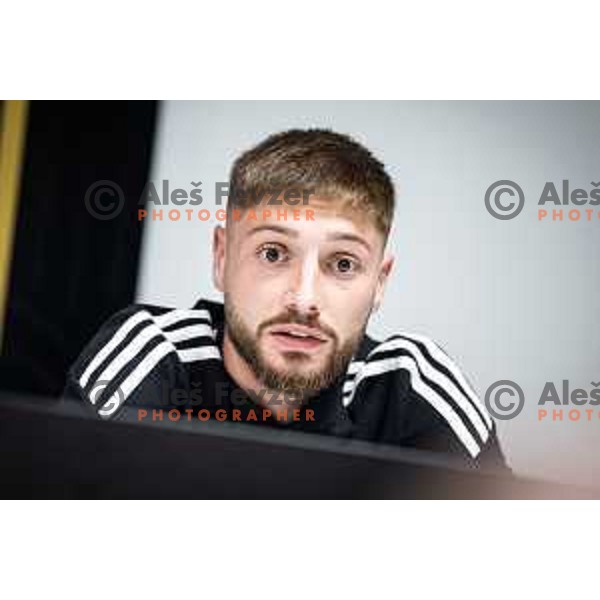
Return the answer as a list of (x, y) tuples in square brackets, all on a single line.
[(298, 319)]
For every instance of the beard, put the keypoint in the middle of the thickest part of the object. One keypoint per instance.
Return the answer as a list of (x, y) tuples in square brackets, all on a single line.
[(294, 380)]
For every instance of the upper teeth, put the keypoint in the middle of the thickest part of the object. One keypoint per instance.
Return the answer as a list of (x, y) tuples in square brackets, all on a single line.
[(298, 334)]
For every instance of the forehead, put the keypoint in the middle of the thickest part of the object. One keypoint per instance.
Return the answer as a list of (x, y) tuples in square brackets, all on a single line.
[(323, 218)]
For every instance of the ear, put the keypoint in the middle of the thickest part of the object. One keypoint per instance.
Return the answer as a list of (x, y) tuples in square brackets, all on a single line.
[(384, 272), (219, 242)]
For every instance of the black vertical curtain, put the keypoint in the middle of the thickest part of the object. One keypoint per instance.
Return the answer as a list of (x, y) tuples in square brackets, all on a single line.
[(77, 239)]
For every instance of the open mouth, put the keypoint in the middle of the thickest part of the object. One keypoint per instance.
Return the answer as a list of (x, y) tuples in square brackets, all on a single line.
[(297, 337)]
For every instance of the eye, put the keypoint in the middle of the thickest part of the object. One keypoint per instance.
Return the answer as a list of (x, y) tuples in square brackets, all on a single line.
[(344, 265), (272, 253)]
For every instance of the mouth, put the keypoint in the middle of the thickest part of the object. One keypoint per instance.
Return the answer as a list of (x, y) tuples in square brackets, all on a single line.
[(297, 338)]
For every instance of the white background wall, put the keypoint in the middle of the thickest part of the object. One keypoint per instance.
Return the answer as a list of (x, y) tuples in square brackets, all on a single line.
[(511, 299)]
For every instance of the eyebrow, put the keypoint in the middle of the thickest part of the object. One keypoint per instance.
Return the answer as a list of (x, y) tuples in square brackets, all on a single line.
[(275, 228), (348, 237)]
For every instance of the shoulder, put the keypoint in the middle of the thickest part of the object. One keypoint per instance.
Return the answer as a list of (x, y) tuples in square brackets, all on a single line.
[(133, 344), (413, 368)]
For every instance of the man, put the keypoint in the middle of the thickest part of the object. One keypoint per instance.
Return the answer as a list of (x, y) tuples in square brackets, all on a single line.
[(288, 347)]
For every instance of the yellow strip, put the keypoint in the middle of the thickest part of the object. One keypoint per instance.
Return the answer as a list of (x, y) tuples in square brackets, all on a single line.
[(12, 142)]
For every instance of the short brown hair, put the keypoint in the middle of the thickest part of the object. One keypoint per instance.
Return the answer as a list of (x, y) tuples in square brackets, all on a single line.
[(327, 163)]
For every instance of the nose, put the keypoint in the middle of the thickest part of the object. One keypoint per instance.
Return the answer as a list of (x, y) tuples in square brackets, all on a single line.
[(302, 295)]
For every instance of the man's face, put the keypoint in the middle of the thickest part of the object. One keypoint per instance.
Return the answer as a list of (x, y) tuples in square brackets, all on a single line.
[(299, 293)]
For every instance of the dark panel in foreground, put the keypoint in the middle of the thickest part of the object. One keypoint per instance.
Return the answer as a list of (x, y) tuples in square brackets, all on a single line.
[(48, 450)]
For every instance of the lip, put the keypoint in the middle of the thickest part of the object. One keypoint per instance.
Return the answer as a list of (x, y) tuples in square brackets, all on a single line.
[(313, 339), (301, 330)]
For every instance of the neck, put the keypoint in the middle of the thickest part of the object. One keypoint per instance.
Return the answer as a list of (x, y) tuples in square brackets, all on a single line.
[(246, 379)]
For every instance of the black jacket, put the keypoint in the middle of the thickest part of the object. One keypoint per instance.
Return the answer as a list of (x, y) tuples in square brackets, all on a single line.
[(162, 363)]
